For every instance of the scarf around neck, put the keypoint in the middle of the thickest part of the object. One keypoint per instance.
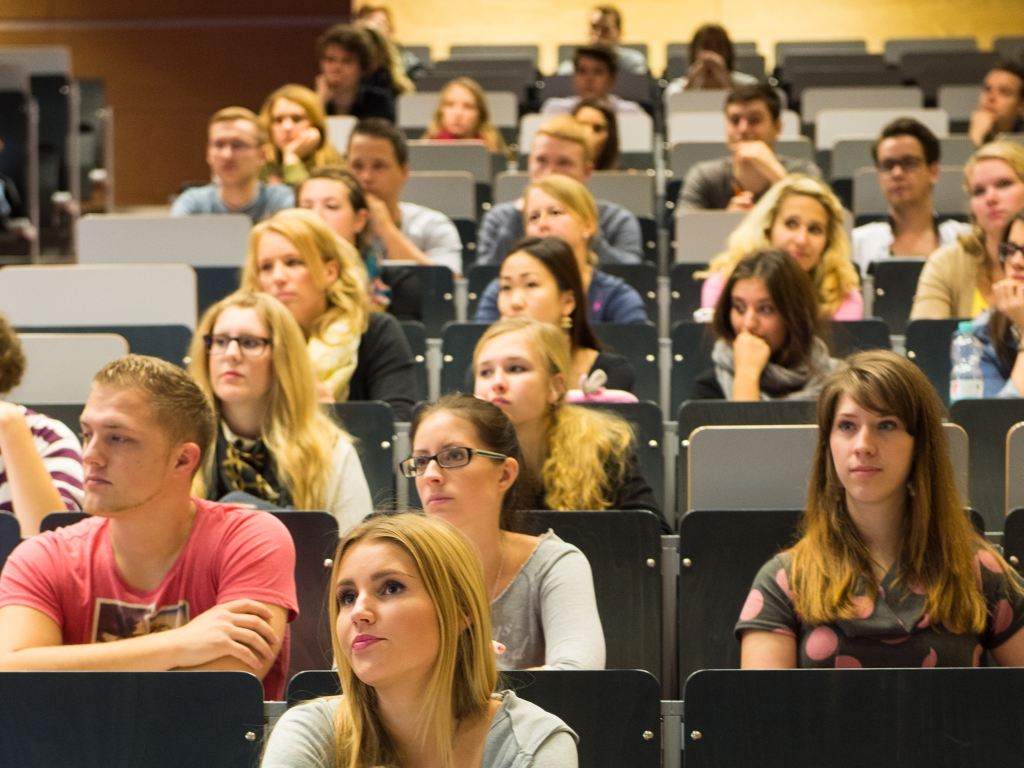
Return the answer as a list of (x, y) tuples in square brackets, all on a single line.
[(778, 383)]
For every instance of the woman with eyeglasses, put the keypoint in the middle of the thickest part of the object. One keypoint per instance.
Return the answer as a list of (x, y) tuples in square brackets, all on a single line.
[(1002, 364), (466, 461), (274, 442), (959, 280)]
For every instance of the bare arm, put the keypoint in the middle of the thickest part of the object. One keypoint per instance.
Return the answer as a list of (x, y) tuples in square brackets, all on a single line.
[(237, 635), (760, 649), (33, 494), (399, 247)]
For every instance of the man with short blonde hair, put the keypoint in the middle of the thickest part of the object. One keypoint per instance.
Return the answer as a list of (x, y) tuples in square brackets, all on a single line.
[(235, 153)]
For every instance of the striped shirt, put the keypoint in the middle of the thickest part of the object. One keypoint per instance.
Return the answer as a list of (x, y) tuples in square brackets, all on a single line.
[(62, 457)]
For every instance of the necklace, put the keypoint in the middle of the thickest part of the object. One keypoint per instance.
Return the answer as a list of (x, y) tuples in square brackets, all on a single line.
[(501, 565)]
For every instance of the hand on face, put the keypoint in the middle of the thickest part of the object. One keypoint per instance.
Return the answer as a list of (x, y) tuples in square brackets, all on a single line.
[(380, 216), (750, 353), (742, 201), (755, 166), (1009, 299), (303, 145)]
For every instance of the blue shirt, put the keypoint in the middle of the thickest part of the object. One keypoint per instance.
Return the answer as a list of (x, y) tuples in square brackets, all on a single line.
[(269, 199), (994, 372)]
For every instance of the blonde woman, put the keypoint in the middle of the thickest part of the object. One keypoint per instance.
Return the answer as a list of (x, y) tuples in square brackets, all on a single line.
[(274, 442), (557, 206), (957, 280), (575, 457), (293, 117), (463, 114), (803, 217), (412, 637), (466, 461)]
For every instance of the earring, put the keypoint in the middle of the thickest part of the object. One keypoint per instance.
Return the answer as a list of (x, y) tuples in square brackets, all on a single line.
[(566, 322)]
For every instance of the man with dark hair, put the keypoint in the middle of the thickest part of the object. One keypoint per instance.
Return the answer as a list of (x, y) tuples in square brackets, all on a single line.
[(595, 68), (604, 26), (906, 155), (178, 582), (753, 122), (345, 59), (379, 159), (1001, 104), (235, 146)]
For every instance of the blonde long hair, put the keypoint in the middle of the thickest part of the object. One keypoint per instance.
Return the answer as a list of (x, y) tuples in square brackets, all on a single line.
[(299, 437), (465, 673), (938, 541), (1012, 154), (485, 129), (834, 276), (325, 153), (587, 450), (317, 244)]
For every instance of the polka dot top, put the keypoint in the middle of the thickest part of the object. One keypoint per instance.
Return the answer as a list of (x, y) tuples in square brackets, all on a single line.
[(891, 630)]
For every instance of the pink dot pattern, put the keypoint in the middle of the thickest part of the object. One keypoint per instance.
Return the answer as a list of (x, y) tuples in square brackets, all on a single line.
[(847, 662), (821, 644), (753, 606), (931, 659)]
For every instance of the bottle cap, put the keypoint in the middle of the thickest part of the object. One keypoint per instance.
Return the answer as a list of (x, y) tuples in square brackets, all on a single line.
[(966, 326)]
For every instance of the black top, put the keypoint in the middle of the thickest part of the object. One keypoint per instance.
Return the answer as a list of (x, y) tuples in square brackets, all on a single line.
[(706, 387), (385, 369), (618, 369), (371, 101), (406, 292)]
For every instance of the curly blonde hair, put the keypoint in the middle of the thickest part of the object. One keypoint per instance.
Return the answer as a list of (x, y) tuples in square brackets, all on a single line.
[(834, 277), (587, 450)]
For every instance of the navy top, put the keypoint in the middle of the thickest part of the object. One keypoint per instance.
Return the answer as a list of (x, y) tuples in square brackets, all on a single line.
[(609, 300)]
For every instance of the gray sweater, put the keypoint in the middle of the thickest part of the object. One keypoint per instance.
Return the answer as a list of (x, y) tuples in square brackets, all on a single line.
[(522, 735), (618, 242), (548, 615), (708, 185)]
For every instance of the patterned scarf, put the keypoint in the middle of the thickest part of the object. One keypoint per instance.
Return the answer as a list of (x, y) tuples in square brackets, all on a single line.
[(800, 383), (248, 469), (334, 357)]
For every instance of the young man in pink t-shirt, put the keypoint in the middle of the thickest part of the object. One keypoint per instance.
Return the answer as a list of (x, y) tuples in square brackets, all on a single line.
[(179, 582)]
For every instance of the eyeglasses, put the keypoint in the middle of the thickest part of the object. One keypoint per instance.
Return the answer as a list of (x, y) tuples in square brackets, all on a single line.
[(1008, 250), (234, 146), (907, 163), (249, 346), (449, 458)]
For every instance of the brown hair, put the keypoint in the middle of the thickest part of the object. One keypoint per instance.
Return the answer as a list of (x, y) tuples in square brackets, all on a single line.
[(350, 39), (355, 191), (792, 294), (602, 52), (609, 159), (494, 431), (938, 541), (743, 94), (379, 128), (999, 325), (176, 401), (712, 37), (12, 357), (230, 114)]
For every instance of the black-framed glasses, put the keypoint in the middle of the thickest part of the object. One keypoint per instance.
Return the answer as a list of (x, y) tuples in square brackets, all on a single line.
[(449, 458), (907, 163), (249, 346), (1008, 250)]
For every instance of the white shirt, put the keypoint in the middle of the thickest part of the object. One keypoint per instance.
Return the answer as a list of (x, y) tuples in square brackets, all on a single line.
[(871, 242)]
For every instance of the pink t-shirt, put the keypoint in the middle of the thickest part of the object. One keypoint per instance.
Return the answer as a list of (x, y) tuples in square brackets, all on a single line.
[(852, 307), (231, 553)]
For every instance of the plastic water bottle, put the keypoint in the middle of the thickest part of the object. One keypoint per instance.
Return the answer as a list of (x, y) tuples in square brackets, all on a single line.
[(965, 380)]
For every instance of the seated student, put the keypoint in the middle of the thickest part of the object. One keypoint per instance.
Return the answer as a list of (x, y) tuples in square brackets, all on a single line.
[(40, 458), (381, 17), (602, 126), (235, 152), (766, 325), (463, 114), (605, 28), (711, 63), (467, 463), (274, 442), (889, 571), (753, 122), (906, 155), (594, 71), (540, 280), (294, 119), (1000, 105), (575, 457), (345, 60), (803, 217), (412, 638), (957, 280), (557, 206), (562, 145), (379, 159), (176, 581), (356, 354), (1002, 363)]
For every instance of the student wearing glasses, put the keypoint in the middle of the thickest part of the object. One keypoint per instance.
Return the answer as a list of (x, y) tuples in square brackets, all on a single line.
[(275, 444), (466, 461), (1002, 363), (906, 155)]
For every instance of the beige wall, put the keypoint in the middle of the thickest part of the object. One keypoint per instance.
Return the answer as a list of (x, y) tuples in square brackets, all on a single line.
[(658, 22)]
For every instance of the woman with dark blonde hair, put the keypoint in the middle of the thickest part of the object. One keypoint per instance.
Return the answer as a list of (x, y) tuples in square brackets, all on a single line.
[(463, 114), (274, 441), (293, 117), (889, 571), (412, 638)]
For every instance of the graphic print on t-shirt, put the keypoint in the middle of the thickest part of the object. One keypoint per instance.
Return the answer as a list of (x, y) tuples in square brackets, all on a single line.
[(117, 620)]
